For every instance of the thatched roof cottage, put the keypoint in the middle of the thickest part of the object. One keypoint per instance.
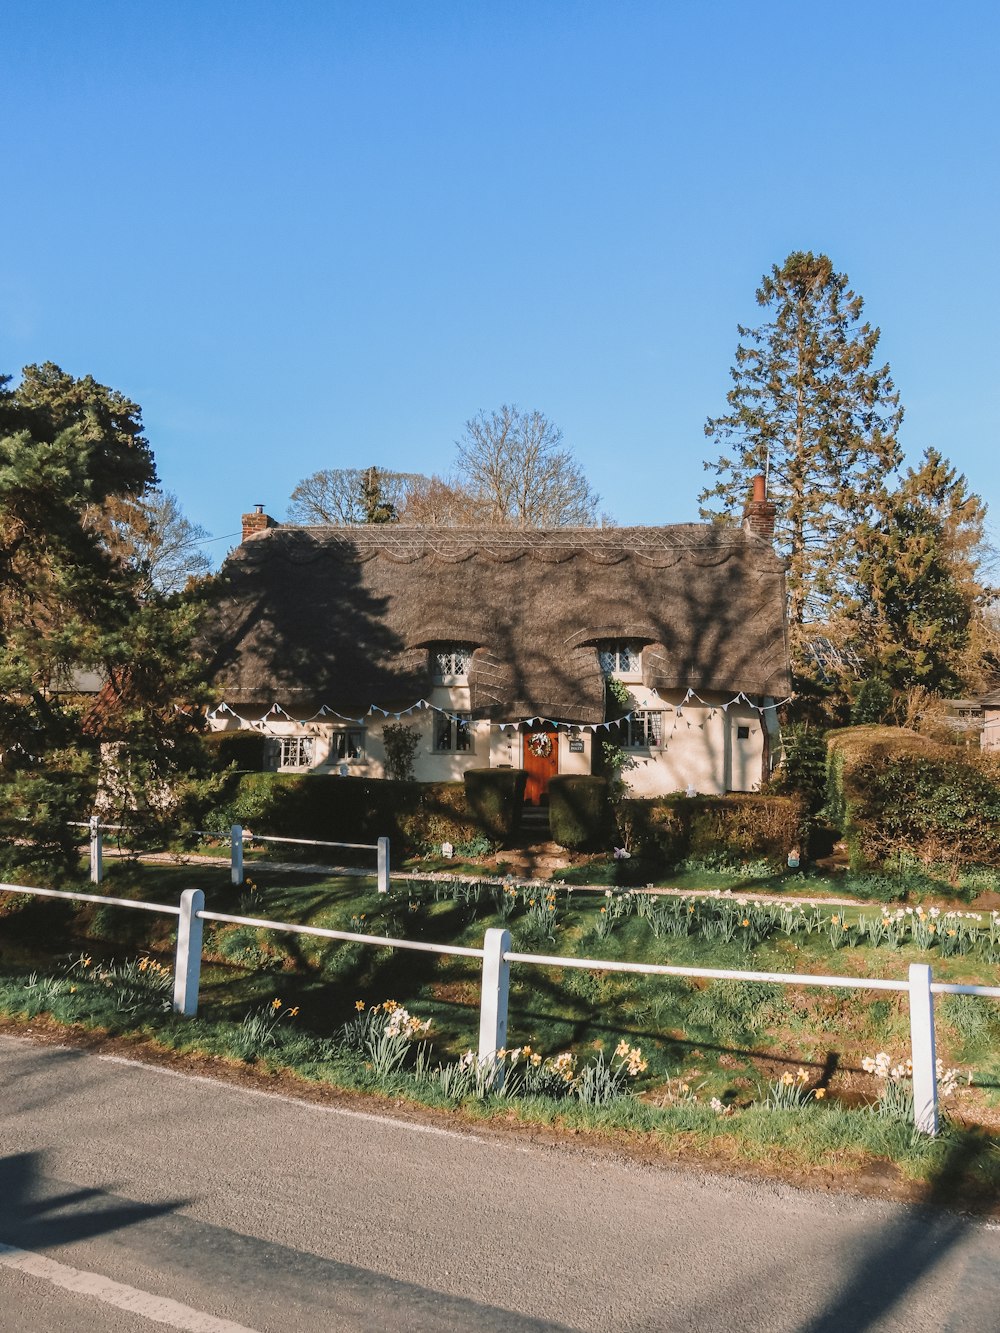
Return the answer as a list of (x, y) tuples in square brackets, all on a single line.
[(503, 647)]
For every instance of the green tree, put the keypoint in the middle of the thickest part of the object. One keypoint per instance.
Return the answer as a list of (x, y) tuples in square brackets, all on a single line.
[(376, 507), (812, 411), (920, 600), (73, 461)]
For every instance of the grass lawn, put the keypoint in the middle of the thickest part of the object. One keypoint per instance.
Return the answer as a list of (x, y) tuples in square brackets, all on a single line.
[(726, 1040)]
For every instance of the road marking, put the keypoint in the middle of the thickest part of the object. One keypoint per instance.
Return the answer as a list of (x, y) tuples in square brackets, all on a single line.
[(159, 1309)]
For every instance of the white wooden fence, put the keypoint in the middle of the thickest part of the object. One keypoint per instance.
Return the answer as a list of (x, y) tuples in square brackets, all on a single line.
[(238, 837), (497, 957)]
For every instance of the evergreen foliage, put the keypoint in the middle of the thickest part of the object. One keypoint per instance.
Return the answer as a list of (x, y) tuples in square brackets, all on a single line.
[(579, 815), (73, 463), (893, 792), (812, 411), (918, 589)]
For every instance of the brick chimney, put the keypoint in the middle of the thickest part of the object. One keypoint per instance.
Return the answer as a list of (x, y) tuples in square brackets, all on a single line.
[(257, 522), (758, 517)]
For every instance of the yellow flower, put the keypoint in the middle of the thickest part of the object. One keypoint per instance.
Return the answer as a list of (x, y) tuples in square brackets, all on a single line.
[(835, 921), (292, 1012), (390, 1005), (819, 1094), (275, 1003), (744, 922), (787, 1080), (359, 1005)]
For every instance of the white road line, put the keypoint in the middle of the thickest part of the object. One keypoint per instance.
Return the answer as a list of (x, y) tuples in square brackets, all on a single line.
[(159, 1309)]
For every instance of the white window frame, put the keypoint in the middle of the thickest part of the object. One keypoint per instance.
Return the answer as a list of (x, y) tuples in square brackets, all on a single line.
[(610, 653), (296, 752), (452, 726), (347, 743), (454, 671), (643, 730)]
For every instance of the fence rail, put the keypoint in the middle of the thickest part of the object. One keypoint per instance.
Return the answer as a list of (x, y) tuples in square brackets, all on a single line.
[(497, 958), (238, 837)]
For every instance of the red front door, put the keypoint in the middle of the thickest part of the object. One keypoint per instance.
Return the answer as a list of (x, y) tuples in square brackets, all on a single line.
[(541, 762)]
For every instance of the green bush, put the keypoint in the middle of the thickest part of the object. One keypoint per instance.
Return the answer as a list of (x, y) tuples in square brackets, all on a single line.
[(893, 791), (245, 749), (495, 798), (735, 828), (336, 809), (579, 817)]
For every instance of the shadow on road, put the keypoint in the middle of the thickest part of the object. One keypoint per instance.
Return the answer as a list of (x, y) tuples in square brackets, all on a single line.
[(34, 1218), (907, 1250)]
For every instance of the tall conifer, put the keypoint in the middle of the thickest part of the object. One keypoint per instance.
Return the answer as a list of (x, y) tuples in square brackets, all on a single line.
[(811, 410)]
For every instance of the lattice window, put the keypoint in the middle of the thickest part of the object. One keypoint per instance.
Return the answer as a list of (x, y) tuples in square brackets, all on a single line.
[(449, 660), (619, 657)]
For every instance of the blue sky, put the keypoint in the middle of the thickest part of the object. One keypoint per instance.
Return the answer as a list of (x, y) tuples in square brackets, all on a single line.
[(309, 235)]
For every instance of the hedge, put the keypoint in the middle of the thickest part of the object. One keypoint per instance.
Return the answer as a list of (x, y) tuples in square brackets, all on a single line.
[(414, 815), (494, 798), (734, 828), (891, 791), (579, 817)]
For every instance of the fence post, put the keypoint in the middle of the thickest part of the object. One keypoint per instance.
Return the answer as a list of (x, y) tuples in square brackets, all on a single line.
[(96, 851), (187, 966), (922, 1052), (383, 865), (493, 1001), (236, 854)]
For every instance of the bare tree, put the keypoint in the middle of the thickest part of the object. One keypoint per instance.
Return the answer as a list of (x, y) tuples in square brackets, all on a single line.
[(344, 494), (511, 463), (440, 503), (153, 535)]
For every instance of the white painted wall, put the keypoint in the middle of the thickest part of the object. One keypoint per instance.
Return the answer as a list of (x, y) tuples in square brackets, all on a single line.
[(701, 745)]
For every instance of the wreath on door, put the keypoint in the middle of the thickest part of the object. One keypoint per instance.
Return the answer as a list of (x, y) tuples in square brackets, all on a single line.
[(540, 744)]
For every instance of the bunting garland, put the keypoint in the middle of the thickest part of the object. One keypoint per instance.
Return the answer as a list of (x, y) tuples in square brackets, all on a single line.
[(264, 722)]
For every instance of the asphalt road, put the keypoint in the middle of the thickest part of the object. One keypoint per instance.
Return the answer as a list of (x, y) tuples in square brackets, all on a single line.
[(134, 1199)]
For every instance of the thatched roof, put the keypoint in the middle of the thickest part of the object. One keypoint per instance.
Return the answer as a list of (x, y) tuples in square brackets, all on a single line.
[(344, 616)]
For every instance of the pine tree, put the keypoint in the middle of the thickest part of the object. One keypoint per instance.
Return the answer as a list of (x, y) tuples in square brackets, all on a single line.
[(920, 599), (810, 410), (376, 507), (72, 453)]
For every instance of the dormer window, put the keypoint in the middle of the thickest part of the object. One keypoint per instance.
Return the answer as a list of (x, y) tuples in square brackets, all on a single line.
[(620, 657), (450, 663)]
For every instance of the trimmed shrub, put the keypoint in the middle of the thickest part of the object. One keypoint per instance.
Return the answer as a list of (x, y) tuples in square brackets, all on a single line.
[(892, 791), (495, 798), (579, 817), (734, 828), (336, 809)]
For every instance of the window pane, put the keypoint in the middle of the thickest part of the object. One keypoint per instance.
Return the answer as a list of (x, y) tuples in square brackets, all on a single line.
[(442, 733), (451, 659), (463, 732), (607, 658)]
